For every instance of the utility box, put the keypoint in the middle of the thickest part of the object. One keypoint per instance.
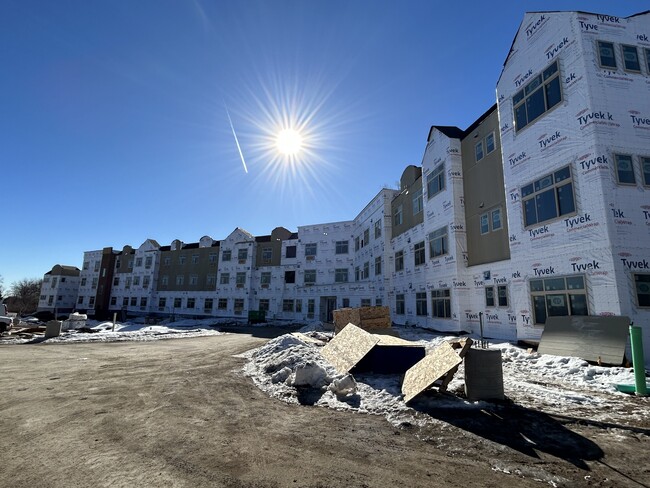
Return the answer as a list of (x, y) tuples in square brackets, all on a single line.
[(483, 375), (53, 328)]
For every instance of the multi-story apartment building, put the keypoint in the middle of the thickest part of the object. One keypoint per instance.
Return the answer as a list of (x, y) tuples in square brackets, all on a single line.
[(540, 207), (59, 290)]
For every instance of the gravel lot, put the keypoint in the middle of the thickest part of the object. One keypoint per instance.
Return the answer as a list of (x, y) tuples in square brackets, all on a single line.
[(181, 413)]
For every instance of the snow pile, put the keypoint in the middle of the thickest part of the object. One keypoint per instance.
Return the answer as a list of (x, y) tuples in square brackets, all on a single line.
[(126, 331), (286, 367)]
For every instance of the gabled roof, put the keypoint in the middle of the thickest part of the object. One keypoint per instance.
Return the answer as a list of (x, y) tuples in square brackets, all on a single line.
[(478, 121), (449, 130)]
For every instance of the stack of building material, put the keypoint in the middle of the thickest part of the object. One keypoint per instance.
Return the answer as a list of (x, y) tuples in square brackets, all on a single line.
[(367, 318)]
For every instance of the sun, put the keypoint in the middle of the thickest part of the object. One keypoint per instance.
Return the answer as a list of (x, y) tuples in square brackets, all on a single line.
[(289, 142)]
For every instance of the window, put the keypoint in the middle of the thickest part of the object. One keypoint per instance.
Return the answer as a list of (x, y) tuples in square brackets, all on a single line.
[(438, 244), (287, 305), (212, 257), (136, 281), (377, 229), (222, 304), (191, 303), (265, 278), (97, 264), (131, 263), (478, 151), (83, 281), (341, 275), (162, 302), (138, 262), (208, 303), (357, 273), (116, 281), (145, 281), (441, 303), (538, 96), (91, 301), (143, 301), (117, 262), (167, 261), (240, 279), (264, 305), (418, 204), (298, 306), (239, 305), (134, 301), (366, 302), (419, 254), (79, 301), (645, 168), (211, 280), (485, 224), (94, 283), (341, 247), (195, 259), (435, 181), (366, 270), (127, 285), (377, 265), (421, 303), (311, 307), (289, 276), (647, 59), (310, 249), (178, 302), (631, 58), (548, 198), (194, 279), (242, 254), (366, 237), (59, 298), (642, 287), (181, 260), (500, 300), (267, 254), (489, 143), (226, 255), (496, 219), (399, 304), (164, 280), (399, 260), (50, 299), (86, 265), (606, 55), (113, 301), (310, 276), (397, 216), (561, 296), (224, 279), (356, 243), (624, 169), (125, 302), (180, 280), (63, 278), (290, 252), (378, 302)]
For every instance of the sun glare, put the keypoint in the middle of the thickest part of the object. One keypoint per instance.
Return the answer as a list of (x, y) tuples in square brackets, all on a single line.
[(289, 142)]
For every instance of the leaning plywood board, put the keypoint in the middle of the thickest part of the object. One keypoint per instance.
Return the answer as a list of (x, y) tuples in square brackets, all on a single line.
[(348, 348), (426, 372), (598, 339)]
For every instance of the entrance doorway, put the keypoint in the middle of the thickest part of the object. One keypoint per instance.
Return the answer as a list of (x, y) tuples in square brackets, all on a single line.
[(327, 306)]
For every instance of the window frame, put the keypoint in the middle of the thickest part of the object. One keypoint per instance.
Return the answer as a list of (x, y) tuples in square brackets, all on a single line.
[(645, 175), (538, 82), (638, 59), (568, 292), (377, 229), (342, 247), (400, 304), (441, 295), (496, 297), (418, 202), (636, 290), (378, 265), (617, 170), (265, 278), (555, 186), (479, 151), (600, 59), (398, 217), (494, 143), (437, 173), (311, 274), (341, 275), (445, 240), (399, 258), (224, 278), (419, 253), (311, 249), (421, 309)]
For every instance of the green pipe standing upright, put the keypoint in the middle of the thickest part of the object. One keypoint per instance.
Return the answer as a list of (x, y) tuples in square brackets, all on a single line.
[(636, 341)]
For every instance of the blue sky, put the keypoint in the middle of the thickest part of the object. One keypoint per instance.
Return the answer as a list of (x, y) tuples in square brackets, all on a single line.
[(114, 124)]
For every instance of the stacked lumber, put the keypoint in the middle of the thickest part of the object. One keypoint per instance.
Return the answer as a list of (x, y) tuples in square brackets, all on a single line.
[(366, 318)]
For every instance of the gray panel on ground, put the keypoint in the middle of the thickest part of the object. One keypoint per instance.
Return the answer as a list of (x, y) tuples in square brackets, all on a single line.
[(597, 339), (426, 372), (348, 347)]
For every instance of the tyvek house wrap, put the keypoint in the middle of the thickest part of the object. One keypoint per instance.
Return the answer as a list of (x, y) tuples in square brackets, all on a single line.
[(602, 113)]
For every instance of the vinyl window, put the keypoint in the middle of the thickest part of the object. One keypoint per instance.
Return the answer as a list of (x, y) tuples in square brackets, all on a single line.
[(558, 296), (399, 304), (377, 229), (290, 252), (418, 204), (645, 169), (441, 303), (240, 279), (478, 151), (222, 304), (224, 279), (539, 95), (287, 305), (606, 55), (377, 265), (397, 216), (498, 300), (341, 275), (265, 278), (226, 255), (624, 169), (435, 181), (421, 303), (342, 247), (242, 254), (239, 305), (366, 270), (311, 249), (399, 260), (548, 198), (438, 243), (642, 288), (631, 60), (489, 143), (419, 253), (310, 276), (208, 303)]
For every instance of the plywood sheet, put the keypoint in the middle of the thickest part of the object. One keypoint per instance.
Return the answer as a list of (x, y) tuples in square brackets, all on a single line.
[(389, 340), (593, 338), (427, 371), (348, 347)]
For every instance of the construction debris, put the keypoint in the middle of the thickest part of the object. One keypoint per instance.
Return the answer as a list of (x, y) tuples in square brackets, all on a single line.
[(348, 348), (364, 317)]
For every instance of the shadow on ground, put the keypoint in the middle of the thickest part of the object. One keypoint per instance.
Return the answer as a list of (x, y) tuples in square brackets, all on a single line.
[(263, 332), (527, 431)]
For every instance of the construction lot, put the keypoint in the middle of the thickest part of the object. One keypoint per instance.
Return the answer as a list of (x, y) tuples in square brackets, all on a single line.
[(182, 413)]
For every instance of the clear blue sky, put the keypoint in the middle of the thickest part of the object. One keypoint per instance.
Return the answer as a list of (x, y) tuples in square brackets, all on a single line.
[(113, 122)]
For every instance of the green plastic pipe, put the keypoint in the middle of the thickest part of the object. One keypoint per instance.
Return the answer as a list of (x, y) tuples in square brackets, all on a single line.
[(638, 362)]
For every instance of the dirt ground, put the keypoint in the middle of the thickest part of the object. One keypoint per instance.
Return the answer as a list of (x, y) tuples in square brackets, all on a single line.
[(179, 413)]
